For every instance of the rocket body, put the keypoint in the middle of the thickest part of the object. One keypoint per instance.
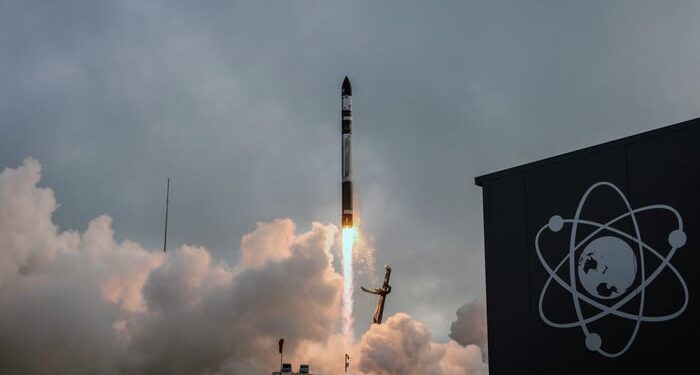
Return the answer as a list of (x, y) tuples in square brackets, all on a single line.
[(346, 147)]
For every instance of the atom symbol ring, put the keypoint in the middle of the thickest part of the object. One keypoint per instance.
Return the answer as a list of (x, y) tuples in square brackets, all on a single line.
[(608, 263)]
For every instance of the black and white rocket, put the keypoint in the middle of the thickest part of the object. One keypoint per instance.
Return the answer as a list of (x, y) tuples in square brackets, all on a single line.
[(346, 171)]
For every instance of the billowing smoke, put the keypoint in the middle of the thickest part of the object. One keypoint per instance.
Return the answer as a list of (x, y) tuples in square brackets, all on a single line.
[(81, 303), (470, 326), (403, 345)]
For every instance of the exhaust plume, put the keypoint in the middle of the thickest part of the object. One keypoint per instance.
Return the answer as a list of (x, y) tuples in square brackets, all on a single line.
[(79, 302)]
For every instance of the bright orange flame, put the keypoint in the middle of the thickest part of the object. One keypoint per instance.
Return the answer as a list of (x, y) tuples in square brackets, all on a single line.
[(349, 236)]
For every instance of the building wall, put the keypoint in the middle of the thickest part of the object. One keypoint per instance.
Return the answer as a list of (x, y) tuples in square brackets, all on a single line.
[(642, 181)]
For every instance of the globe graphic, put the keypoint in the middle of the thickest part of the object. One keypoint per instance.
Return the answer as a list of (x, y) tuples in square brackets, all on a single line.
[(607, 267), (603, 277)]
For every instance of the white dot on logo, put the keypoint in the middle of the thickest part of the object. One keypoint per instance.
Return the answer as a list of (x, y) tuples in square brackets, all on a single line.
[(593, 342), (677, 238), (556, 223)]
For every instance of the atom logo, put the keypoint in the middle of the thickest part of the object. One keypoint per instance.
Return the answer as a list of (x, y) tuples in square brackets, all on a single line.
[(608, 263)]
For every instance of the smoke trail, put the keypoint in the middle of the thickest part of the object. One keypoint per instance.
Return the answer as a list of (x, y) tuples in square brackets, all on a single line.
[(348, 287), (83, 303)]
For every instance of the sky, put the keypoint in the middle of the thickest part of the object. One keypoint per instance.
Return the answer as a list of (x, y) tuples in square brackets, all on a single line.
[(238, 103)]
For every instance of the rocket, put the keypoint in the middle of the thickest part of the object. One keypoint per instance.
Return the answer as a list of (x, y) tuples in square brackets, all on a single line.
[(346, 144)]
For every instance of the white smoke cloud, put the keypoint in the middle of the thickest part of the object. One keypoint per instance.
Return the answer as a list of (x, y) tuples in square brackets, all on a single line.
[(403, 345), (62, 295), (81, 303)]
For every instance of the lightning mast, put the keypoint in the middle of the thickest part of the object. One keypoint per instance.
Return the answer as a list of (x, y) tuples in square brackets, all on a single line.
[(167, 203)]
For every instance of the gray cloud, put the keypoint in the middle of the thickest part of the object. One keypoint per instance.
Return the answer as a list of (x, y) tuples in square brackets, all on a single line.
[(470, 326), (238, 104)]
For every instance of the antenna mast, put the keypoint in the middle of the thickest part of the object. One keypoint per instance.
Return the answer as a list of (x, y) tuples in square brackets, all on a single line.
[(167, 203)]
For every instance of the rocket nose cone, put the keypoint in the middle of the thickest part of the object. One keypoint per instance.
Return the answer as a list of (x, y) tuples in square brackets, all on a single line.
[(347, 88)]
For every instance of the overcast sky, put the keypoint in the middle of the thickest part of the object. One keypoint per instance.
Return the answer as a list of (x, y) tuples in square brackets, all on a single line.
[(239, 104)]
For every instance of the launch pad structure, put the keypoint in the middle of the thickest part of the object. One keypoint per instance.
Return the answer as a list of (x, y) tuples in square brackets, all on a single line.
[(381, 292)]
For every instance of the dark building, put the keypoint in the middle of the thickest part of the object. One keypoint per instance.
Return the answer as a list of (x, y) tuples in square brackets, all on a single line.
[(592, 259)]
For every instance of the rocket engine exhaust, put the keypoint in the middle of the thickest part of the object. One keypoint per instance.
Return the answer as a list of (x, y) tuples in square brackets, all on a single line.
[(346, 218)]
